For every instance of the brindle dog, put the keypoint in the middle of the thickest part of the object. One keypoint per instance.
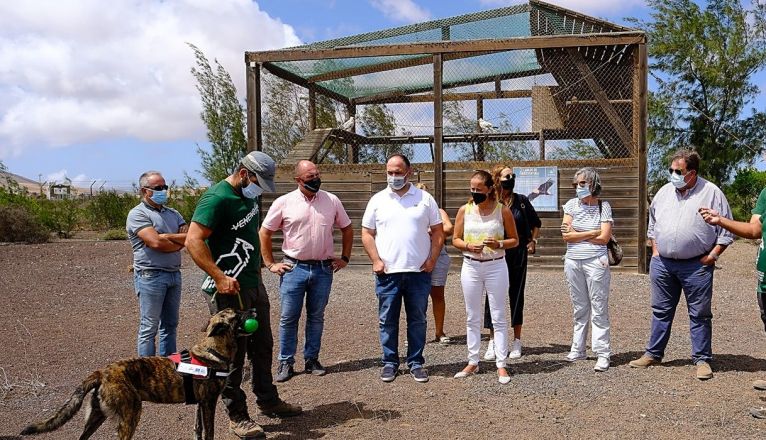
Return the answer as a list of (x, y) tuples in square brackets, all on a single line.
[(119, 389)]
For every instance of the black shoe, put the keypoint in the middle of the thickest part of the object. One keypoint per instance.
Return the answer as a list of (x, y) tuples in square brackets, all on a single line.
[(284, 372), (419, 374), (314, 367), (388, 373)]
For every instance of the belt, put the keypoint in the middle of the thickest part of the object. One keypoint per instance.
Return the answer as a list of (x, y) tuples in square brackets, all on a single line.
[(482, 261), (309, 262)]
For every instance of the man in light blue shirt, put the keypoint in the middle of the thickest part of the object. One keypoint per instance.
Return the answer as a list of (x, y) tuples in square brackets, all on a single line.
[(157, 234), (684, 252)]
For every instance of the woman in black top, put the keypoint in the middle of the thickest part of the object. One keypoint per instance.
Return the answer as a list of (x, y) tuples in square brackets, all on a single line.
[(528, 227)]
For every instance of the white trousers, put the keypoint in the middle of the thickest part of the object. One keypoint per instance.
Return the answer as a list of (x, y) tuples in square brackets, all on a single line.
[(476, 278), (588, 281)]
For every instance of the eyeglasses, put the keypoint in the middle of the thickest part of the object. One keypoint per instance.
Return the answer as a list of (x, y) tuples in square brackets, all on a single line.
[(157, 188), (679, 172)]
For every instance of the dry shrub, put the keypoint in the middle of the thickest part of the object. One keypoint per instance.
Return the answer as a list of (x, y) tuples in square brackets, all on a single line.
[(19, 225)]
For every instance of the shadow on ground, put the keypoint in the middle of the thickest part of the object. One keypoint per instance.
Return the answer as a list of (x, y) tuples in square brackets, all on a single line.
[(306, 426)]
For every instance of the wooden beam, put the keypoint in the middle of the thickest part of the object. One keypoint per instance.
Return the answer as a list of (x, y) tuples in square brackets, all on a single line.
[(577, 15), (475, 137), (312, 108), (594, 102), (353, 149), (601, 97), (295, 79), (480, 115), (387, 97), (469, 96), (253, 84), (640, 112), (542, 144), (501, 44), (439, 186)]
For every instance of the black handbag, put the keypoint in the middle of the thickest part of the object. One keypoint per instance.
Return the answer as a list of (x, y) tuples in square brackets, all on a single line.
[(613, 248)]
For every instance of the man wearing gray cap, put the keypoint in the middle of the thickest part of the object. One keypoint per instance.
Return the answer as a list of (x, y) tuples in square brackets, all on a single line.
[(223, 241)]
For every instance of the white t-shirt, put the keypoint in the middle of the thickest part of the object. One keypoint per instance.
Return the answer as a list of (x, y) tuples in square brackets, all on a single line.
[(401, 227), (586, 218)]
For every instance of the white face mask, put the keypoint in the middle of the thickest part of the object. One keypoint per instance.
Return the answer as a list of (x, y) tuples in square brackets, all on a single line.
[(582, 191), (396, 182), (677, 180)]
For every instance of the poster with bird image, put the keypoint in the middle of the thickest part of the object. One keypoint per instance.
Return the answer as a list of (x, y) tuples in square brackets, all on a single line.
[(540, 185)]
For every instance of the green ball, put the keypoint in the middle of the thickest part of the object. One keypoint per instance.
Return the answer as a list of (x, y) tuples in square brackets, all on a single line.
[(250, 325)]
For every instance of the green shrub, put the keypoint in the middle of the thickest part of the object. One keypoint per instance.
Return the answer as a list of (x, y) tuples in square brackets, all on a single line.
[(184, 198), (115, 234), (743, 191), (18, 224), (60, 216), (109, 210)]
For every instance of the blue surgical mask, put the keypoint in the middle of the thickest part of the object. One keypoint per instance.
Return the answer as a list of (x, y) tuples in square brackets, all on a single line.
[(396, 182), (159, 197), (678, 180), (582, 191), (252, 190)]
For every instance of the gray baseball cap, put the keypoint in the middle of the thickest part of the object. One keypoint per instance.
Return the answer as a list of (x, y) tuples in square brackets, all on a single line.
[(263, 166)]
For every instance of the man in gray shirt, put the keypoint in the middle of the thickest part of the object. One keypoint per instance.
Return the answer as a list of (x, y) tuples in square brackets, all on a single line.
[(684, 252), (157, 234)]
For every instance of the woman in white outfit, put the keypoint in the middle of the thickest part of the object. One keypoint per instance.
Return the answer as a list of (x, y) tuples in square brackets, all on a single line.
[(586, 228), (483, 230)]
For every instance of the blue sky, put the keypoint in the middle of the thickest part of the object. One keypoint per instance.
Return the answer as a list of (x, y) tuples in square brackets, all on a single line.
[(100, 93)]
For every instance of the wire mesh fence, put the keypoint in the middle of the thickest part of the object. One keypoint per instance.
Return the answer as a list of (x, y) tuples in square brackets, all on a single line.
[(570, 103)]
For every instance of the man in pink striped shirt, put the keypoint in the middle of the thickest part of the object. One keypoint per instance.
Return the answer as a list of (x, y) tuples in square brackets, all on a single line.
[(306, 217)]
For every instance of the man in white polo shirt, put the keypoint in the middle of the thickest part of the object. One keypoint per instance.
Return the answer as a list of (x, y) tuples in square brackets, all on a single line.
[(395, 235)]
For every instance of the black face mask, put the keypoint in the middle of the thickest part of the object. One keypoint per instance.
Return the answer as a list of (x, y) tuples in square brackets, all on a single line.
[(313, 184), (478, 197), (508, 184)]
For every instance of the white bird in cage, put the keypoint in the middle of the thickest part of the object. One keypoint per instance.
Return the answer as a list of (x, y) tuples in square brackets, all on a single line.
[(348, 125), (485, 126)]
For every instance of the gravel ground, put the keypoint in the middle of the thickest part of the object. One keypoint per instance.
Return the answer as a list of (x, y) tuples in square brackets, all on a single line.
[(69, 308)]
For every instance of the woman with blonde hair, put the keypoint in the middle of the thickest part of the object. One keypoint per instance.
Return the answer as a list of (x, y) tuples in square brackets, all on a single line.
[(483, 229), (528, 228), (439, 278)]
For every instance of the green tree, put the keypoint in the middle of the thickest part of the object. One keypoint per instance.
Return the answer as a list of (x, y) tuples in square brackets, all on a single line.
[(743, 192), (224, 117), (379, 120), (285, 120), (705, 58)]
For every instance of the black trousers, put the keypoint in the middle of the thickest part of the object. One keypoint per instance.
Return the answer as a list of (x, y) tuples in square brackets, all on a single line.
[(258, 347), (516, 259)]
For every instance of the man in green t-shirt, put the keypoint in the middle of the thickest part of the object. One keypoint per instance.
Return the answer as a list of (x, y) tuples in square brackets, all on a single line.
[(755, 229), (223, 241)]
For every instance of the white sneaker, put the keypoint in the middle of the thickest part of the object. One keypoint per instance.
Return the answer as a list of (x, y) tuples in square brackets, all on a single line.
[(490, 354), (515, 349), (602, 364), (575, 356)]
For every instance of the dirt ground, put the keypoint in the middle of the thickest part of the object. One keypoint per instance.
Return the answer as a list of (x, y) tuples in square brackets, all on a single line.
[(68, 308)]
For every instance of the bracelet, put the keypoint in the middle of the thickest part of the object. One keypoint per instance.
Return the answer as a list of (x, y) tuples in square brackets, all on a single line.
[(535, 240), (500, 244), (269, 266), (713, 255), (344, 258)]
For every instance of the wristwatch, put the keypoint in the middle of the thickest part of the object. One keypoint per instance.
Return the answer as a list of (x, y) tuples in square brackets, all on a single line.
[(344, 258), (535, 240), (500, 244), (713, 255)]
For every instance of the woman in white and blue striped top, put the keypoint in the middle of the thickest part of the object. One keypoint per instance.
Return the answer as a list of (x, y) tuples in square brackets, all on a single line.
[(586, 228)]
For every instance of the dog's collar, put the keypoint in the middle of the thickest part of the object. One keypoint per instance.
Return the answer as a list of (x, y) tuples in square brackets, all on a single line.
[(222, 358), (188, 364)]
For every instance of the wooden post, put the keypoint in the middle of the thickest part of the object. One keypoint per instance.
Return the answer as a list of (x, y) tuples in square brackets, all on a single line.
[(253, 84), (639, 137), (480, 143), (353, 149), (438, 132), (542, 144), (312, 109)]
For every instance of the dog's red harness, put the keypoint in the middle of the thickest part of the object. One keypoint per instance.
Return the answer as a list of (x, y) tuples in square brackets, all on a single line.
[(190, 368)]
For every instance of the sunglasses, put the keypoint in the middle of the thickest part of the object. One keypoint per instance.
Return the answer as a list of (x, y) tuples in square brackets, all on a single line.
[(157, 188), (679, 172)]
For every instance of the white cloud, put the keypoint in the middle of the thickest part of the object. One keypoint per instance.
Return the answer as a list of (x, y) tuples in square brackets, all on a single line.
[(89, 71), (592, 7), (401, 10)]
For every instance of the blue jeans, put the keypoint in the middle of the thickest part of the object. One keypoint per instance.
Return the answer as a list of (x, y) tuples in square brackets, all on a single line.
[(414, 288), (668, 278), (314, 281), (159, 298)]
